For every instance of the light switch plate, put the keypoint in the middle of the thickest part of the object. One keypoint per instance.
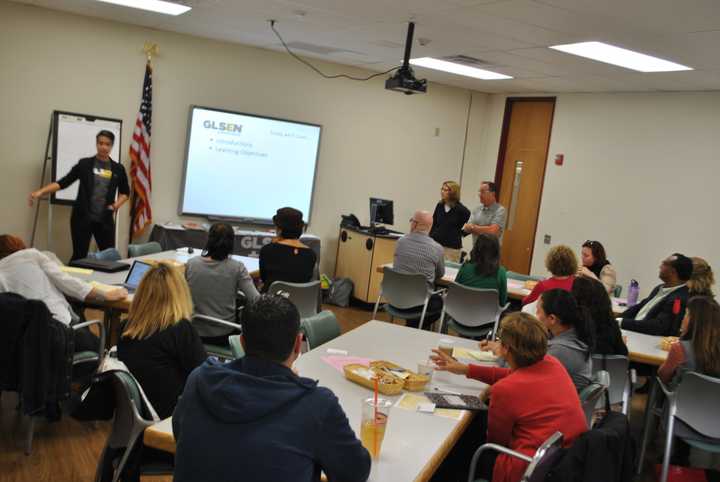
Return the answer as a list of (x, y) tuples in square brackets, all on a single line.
[(548, 238)]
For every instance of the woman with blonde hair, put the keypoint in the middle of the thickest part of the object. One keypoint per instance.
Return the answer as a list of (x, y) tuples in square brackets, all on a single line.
[(448, 220), (702, 279), (563, 265), (159, 345)]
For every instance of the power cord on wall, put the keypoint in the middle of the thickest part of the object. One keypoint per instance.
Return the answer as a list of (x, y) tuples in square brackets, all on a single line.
[(308, 64)]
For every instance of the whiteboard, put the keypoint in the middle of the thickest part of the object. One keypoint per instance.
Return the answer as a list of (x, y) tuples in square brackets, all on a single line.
[(73, 139)]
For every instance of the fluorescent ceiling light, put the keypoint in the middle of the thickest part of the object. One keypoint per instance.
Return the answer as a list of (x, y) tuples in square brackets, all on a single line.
[(610, 54), (158, 6), (459, 69)]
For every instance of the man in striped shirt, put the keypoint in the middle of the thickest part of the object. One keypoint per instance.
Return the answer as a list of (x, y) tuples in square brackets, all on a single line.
[(417, 252)]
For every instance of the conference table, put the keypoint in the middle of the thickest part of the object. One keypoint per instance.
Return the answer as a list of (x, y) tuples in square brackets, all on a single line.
[(113, 309), (415, 443), (644, 348), (516, 289), (180, 256)]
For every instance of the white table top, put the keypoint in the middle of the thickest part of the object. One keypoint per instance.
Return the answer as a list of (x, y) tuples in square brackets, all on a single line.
[(644, 348), (412, 438), (180, 255)]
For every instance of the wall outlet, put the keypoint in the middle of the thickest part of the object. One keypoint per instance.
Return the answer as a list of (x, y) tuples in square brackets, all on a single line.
[(548, 238)]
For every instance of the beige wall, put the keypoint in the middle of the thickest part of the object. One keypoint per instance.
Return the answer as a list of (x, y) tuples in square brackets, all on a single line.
[(374, 142), (640, 176)]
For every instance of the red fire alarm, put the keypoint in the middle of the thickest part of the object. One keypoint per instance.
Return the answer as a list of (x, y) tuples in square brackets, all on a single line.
[(559, 158)]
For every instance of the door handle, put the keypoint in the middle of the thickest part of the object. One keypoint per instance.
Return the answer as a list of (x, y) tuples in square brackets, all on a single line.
[(515, 194)]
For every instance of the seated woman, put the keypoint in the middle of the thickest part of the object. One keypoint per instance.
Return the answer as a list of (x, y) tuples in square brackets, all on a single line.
[(286, 258), (562, 264), (516, 420), (484, 270), (215, 279), (596, 265), (699, 346), (158, 344), (36, 276), (591, 295), (572, 337), (702, 279)]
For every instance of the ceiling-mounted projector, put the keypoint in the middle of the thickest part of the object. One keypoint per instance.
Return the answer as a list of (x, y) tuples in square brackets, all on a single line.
[(404, 79)]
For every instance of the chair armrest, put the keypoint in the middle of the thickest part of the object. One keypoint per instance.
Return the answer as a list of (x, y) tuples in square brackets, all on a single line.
[(217, 321), (633, 376), (498, 448), (668, 393), (441, 291), (101, 344), (503, 308)]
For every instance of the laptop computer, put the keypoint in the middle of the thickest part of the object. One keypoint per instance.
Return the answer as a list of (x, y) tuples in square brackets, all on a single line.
[(100, 265), (136, 273)]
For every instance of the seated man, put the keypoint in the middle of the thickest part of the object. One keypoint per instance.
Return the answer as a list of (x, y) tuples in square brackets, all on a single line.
[(662, 311), (36, 276), (417, 252), (254, 419)]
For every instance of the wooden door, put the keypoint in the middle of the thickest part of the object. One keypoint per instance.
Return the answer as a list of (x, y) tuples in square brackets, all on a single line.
[(520, 174)]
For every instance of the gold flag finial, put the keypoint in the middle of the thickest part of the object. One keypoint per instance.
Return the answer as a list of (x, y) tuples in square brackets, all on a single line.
[(150, 50)]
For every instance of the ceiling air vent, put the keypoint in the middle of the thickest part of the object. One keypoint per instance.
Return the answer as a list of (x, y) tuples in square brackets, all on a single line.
[(466, 60)]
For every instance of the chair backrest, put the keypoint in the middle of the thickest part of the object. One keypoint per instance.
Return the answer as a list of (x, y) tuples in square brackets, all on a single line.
[(109, 254), (472, 307), (402, 290), (303, 295), (697, 401), (236, 347), (617, 291), (135, 250), (617, 367), (544, 459), (523, 277), (321, 328), (128, 421), (590, 395)]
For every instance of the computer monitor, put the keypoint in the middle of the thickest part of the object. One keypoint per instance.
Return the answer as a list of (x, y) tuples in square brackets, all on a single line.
[(381, 211)]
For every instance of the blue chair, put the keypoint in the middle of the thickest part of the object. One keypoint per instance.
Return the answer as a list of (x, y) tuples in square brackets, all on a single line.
[(403, 292), (471, 312), (137, 250), (693, 407), (320, 328), (109, 254)]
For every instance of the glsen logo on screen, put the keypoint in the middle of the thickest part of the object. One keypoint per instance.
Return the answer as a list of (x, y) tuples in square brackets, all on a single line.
[(222, 126)]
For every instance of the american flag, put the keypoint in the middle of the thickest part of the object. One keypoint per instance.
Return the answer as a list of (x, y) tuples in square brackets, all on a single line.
[(140, 156)]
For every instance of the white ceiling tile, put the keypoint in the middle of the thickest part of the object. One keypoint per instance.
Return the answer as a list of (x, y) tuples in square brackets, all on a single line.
[(512, 36)]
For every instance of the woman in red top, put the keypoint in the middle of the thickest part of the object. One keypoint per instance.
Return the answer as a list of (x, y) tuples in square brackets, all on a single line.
[(563, 265), (530, 401)]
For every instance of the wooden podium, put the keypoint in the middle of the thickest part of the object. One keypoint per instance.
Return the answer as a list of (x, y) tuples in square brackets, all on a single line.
[(358, 256)]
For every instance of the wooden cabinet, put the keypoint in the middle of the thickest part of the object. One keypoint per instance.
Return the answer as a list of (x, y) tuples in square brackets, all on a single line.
[(358, 256)]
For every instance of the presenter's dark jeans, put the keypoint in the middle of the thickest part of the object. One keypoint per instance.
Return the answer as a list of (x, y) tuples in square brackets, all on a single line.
[(82, 229)]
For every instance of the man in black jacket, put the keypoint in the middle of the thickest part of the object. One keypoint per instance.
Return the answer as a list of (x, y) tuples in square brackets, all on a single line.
[(662, 311), (94, 207), (255, 420)]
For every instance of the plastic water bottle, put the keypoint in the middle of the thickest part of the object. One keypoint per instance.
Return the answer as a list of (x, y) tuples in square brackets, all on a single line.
[(633, 292)]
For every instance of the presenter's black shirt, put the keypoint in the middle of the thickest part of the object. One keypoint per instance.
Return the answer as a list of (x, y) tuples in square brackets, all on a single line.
[(280, 262), (447, 226), (94, 182)]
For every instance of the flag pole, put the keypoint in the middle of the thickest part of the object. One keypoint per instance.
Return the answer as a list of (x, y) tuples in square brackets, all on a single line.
[(149, 49)]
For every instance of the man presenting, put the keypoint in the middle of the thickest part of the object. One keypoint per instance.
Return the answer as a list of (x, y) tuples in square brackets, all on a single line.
[(92, 214), (490, 216)]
